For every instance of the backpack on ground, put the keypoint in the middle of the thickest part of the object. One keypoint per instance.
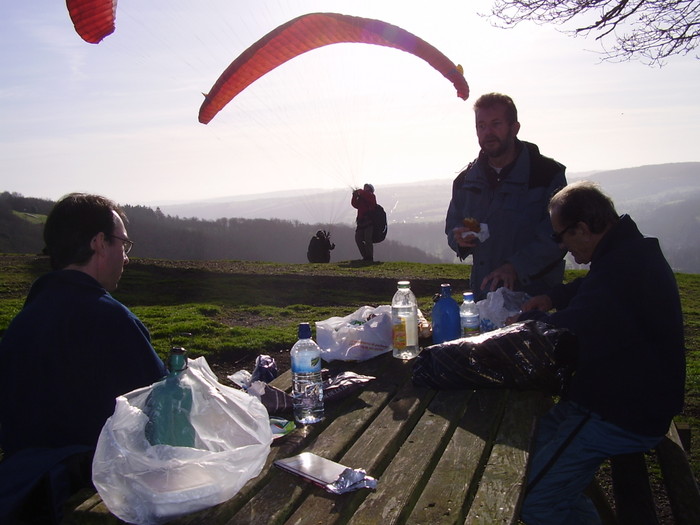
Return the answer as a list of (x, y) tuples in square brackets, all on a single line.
[(379, 224)]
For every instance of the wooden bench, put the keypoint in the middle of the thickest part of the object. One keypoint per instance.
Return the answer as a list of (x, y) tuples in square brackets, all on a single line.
[(632, 494), (439, 456)]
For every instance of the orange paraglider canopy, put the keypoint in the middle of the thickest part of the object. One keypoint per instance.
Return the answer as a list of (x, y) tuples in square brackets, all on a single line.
[(312, 31), (93, 19)]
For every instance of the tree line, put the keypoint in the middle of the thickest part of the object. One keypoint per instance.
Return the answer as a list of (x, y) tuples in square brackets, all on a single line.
[(160, 236)]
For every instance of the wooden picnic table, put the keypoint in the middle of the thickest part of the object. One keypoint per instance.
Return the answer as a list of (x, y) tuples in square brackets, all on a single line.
[(450, 456)]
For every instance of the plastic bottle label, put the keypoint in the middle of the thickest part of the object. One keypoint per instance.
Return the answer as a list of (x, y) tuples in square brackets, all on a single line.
[(468, 331), (398, 333), (306, 364)]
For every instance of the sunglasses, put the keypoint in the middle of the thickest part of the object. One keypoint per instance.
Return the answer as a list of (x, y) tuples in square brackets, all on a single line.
[(558, 237)]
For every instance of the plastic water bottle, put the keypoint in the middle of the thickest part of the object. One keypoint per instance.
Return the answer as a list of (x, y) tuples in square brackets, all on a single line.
[(446, 317), (469, 316), (307, 384), (404, 319), (169, 405)]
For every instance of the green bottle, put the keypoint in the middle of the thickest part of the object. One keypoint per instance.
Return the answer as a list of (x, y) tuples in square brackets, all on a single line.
[(169, 405)]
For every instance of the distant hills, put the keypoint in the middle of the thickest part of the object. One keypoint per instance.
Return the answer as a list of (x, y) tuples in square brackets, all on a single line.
[(663, 199)]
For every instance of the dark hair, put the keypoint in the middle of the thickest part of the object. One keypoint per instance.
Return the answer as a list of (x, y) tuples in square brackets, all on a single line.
[(490, 100), (583, 201), (73, 222)]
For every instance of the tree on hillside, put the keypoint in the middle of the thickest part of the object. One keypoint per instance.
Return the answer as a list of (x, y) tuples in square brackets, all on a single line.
[(648, 30)]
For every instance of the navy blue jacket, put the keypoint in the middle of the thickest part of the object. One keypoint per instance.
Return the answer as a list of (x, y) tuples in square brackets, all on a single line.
[(64, 359), (626, 313)]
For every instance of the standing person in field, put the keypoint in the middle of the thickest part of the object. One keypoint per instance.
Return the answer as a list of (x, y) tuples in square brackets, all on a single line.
[(507, 188), (66, 356), (365, 202), (630, 372)]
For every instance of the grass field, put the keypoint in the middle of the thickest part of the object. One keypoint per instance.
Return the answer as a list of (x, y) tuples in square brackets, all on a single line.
[(237, 310)]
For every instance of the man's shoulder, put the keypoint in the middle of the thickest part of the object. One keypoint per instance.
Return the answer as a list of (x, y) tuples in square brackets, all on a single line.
[(463, 174), (543, 169)]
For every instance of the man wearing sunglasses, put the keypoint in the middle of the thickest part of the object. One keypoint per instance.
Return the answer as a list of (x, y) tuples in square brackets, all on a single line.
[(630, 372), (66, 356)]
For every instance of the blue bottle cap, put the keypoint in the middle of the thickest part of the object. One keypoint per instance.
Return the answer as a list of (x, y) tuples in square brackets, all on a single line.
[(304, 331)]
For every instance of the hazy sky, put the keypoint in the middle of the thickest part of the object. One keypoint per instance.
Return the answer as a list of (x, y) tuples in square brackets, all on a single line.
[(120, 118)]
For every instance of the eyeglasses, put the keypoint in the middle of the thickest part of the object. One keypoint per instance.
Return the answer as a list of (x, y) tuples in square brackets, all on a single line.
[(559, 237), (127, 244)]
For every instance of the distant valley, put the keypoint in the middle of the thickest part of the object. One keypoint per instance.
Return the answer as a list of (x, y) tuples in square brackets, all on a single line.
[(663, 199)]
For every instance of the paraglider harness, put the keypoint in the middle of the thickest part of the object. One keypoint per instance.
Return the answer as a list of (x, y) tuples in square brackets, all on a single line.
[(379, 224)]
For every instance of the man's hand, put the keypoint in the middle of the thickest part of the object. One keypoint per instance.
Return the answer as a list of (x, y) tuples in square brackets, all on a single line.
[(465, 241), (505, 274), (539, 302)]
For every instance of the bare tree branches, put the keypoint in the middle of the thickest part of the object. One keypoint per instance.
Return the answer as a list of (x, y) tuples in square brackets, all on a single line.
[(648, 30)]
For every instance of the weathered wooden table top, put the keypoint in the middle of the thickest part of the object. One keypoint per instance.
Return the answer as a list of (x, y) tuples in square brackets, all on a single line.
[(452, 456)]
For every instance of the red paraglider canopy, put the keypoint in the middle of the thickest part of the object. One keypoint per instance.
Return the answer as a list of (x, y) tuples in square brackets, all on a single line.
[(312, 31), (93, 19)]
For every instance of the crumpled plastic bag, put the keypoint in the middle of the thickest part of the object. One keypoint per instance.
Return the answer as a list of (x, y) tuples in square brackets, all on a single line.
[(529, 355), (149, 485), (362, 335), (265, 371), (498, 306)]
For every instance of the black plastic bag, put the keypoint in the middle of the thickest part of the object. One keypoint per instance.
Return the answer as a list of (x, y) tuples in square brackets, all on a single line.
[(530, 355)]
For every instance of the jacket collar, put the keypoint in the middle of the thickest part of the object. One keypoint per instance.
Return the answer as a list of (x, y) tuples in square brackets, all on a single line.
[(623, 231)]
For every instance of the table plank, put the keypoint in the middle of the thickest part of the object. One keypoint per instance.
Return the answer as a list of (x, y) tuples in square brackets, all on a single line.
[(404, 478), (372, 451), (446, 498), (500, 489)]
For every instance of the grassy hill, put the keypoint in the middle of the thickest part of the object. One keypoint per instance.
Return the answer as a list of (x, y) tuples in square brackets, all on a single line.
[(237, 310)]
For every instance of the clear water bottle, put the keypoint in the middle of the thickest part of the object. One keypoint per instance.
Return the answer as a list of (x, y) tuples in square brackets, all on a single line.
[(469, 316), (307, 384), (404, 319), (169, 405), (446, 317)]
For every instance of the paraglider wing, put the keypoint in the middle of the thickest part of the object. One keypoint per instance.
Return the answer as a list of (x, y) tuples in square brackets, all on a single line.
[(312, 31), (93, 19)]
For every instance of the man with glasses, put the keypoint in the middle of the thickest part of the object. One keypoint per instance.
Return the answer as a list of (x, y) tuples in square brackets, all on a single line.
[(630, 372), (507, 188), (67, 355)]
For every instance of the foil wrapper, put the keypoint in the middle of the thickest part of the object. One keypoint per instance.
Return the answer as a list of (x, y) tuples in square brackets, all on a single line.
[(350, 480)]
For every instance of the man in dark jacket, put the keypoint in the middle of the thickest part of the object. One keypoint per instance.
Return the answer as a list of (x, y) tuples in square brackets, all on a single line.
[(320, 247), (70, 351), (506, 190), (630, 373), (365, 202)]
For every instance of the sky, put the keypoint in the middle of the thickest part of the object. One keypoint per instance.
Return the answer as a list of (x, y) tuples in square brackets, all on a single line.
[(120, 118)]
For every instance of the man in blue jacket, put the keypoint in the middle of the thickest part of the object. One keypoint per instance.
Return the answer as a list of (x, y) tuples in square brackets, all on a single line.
[(629, 379), (507, 188), (68, 354)]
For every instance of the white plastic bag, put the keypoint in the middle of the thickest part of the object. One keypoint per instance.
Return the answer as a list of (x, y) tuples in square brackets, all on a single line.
[(363, 334), (499, 306), (148, 485)]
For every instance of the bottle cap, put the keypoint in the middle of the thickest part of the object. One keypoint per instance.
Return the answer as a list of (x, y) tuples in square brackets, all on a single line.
[(404, 284), (304, 331), (468, 296), (446, 289)]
